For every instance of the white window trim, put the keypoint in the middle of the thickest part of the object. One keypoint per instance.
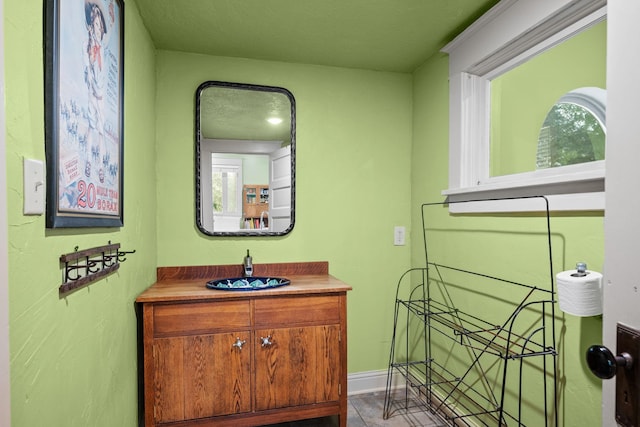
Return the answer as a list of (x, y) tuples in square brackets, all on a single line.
[(236, 164), (207, 153), (508, 35)]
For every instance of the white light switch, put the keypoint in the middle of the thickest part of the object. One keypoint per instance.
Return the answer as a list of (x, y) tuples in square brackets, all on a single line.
[(398, 235), (33, 187)]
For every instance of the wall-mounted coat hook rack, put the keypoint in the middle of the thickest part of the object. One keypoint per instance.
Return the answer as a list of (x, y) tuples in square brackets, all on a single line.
[(88, 265), (121, 255)]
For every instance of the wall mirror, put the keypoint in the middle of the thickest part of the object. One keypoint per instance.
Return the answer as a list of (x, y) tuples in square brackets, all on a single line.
[(245, 159)]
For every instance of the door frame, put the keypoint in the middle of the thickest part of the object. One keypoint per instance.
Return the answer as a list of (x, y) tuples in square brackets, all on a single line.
[(5, 388), (622, 224)]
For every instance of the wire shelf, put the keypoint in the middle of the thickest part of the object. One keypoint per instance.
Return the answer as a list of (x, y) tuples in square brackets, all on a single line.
[(469, 382)]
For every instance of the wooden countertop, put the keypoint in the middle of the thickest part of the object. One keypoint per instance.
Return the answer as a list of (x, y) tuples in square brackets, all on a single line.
[(189, 283)]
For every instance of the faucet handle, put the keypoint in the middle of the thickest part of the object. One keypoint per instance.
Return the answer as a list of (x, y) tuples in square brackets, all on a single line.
[(248, 265)]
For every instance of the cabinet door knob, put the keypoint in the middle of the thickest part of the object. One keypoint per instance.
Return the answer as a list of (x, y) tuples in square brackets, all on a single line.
[(239, 343), (266, 341)]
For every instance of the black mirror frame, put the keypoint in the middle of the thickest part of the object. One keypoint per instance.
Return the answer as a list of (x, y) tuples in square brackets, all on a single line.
[(245, 86)]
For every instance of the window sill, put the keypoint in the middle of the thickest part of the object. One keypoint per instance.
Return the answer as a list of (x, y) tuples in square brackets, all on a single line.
[(584, 195)]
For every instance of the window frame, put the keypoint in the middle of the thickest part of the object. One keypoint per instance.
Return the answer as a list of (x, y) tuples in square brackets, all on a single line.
[(508, 35), (236, 165), (591, 100), (207, 155)]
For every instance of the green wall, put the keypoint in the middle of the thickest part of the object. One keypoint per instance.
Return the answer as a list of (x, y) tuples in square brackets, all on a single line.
[(372, 147), (255, 169), (74, 359), (352, 181), (575, 237)]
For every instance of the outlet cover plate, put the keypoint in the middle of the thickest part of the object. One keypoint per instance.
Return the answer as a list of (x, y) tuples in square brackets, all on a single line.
[(399, 235)]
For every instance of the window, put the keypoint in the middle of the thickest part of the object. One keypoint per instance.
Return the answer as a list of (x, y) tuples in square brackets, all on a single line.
[(486, 162), (226, 178), (221, 202), (573, 131)]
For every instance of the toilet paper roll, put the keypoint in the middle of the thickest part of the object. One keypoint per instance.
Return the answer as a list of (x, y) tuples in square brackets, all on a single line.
[(580, 295)]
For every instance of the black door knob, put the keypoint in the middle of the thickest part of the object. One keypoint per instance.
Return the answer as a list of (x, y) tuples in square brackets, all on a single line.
[(604, 364)]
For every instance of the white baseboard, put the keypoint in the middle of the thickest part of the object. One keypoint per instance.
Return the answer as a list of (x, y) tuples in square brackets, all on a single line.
[(370, 382)]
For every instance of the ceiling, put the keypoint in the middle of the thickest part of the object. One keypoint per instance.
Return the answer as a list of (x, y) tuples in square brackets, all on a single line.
[(384, 35), (230, 111)]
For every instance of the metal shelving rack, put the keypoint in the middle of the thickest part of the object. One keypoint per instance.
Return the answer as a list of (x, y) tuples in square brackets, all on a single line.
[(458, 365)]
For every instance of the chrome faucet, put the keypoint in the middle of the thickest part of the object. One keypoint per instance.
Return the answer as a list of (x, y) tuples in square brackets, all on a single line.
[(248, 265), (262, 214)]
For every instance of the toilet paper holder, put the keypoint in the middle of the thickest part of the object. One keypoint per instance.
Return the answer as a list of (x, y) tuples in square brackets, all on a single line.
[(580, 291), (581, 269)]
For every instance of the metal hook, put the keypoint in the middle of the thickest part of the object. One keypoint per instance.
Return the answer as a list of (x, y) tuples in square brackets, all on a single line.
[(121, 255)]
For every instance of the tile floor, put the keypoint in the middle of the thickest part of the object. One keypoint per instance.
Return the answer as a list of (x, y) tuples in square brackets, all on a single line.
[(365, 410)]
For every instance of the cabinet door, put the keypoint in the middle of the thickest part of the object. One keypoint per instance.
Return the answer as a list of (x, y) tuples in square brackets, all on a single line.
[(298, 366), (201, 376)]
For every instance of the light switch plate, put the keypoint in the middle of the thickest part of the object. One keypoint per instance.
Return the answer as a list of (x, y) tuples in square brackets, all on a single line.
[(34, 189)]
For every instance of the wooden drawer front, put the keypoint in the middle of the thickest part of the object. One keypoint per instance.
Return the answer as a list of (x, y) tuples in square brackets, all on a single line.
[(322, 309), (254, 210), (200, 317)]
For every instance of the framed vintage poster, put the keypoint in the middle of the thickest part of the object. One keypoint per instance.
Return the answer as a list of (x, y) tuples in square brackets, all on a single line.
[(84, 78)]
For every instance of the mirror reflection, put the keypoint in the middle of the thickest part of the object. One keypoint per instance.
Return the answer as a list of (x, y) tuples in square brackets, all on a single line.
[(245, 159)]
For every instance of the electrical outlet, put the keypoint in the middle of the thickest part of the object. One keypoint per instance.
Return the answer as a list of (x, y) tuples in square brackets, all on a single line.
[(398, 235)]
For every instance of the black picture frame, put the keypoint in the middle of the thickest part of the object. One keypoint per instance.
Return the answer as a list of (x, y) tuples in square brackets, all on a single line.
[(84, 112)]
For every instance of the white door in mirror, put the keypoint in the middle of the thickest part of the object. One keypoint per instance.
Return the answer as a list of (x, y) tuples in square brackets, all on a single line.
[(280, 189)]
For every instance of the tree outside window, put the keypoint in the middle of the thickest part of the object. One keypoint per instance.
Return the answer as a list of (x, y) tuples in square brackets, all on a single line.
[(570, 134)]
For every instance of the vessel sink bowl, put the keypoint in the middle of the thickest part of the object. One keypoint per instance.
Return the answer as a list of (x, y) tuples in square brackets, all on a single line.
[(247, 283)]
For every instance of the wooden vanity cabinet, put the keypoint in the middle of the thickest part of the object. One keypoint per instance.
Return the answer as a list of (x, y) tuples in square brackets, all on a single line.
[(193, 355), (249, 359)]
